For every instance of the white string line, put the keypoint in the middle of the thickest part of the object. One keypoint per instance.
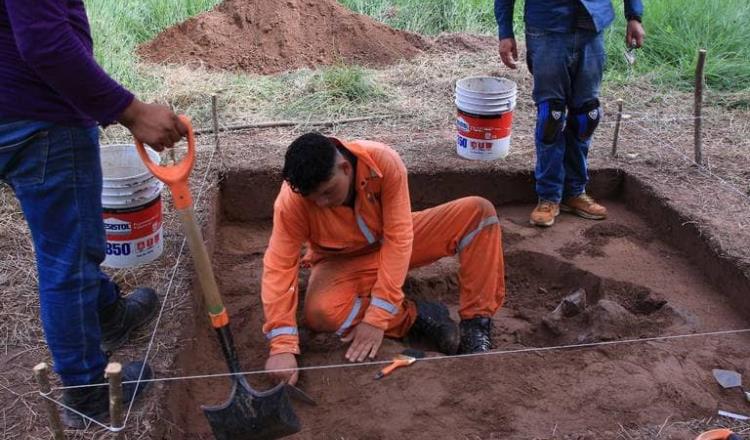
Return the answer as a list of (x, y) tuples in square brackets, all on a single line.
[(629, 120), (435, 358), (84, 416)]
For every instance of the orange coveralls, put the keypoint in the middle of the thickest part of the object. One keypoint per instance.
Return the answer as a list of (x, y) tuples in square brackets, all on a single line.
[(360, 257)]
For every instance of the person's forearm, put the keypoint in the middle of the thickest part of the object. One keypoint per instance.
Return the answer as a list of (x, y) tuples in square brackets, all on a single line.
[(504, 17), (54, 51)]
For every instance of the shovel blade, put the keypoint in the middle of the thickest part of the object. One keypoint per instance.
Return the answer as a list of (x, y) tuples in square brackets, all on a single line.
[(253, 415), (727, 378)]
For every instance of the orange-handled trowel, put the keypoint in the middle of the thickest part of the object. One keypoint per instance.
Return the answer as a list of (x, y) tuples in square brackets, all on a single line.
[(406, 358)]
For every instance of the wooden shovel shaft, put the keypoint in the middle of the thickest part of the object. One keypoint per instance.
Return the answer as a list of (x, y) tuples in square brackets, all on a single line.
[(211, 296)]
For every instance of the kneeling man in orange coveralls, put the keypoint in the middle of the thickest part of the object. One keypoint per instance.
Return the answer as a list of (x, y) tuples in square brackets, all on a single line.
[(349, 202)]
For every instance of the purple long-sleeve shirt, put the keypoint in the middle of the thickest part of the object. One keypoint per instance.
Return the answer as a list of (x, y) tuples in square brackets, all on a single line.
[(47, 67)]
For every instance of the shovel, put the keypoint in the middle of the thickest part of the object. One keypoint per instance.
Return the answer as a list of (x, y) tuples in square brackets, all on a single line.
[(730, 379), (247, 414)]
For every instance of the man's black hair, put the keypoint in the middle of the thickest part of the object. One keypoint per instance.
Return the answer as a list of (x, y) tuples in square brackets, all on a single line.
[(308, 162)]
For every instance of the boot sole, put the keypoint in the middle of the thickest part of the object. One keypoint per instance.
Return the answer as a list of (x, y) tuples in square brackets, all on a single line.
[(582, 213), (114, 345), (547, 224)]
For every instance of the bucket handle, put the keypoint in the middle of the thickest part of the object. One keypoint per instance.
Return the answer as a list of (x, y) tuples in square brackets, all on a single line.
[(175, 176), (506, 107)]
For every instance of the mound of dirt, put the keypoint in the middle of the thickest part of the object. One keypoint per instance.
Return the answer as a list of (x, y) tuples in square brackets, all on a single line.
[(269, 36)]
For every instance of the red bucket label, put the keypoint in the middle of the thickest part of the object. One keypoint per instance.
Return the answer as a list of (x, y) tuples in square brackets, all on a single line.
[(483, 137), (134, 235)]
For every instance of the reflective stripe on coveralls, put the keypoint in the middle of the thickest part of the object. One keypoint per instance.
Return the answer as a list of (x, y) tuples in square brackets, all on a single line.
[(470, 236), (353, 314), (365, 230), (383, 304), (281, 331)]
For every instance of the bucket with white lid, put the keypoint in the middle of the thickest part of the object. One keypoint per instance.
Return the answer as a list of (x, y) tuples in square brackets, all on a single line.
[(485, 115), (131, 202)]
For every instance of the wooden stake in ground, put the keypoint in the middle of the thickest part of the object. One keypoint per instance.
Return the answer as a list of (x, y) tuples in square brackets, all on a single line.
[(215, 115), (113, 372), (617, 128), (697, 136), (41, 373)]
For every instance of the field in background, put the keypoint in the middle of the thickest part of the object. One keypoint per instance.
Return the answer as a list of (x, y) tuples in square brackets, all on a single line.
[(675, 28)]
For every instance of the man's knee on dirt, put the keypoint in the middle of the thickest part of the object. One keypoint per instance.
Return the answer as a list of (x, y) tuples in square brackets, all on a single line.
[(323, 315), (584, 119), (550, 120)]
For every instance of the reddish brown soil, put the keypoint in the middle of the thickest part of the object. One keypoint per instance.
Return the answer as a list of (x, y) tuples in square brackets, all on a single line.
[(637, 286), (268, 36)]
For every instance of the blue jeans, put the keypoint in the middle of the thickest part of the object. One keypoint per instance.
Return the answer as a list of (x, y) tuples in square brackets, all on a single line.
[(56, 174), (567, 69)]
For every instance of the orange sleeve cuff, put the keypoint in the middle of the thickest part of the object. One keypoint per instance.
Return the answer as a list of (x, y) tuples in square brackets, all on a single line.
[(377, 317), (285, 344)]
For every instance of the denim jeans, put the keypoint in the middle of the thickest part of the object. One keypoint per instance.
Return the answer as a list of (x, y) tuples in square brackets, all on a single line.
[(56, 174), (567, 67)]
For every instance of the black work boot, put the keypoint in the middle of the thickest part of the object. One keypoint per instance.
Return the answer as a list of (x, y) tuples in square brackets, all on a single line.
[(94, 401), (475, 335), (125, 315), (435, 324)]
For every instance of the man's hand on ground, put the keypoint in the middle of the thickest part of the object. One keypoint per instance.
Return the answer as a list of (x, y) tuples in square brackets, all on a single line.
[(508, 52), (365, 340), (634, 34), (283, 361), (153, 124)]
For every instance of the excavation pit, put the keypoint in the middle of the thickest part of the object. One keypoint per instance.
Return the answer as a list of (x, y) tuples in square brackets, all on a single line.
[(646, 273)]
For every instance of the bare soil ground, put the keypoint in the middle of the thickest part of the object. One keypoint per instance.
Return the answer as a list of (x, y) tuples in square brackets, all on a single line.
[(637, 286), (637, 261)]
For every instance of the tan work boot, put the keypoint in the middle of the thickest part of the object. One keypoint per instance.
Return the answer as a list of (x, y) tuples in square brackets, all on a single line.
[(584, 206), (544, 214)]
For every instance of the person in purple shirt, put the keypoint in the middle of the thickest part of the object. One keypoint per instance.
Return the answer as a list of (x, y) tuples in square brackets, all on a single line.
[(565, 54), (52, 96)]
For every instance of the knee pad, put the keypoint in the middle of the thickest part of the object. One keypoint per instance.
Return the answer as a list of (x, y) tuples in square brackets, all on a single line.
[(584, 120), (550, 120)]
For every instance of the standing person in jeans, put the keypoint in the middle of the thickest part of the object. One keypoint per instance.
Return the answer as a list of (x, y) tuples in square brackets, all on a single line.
[(565, 53), (52, 95)]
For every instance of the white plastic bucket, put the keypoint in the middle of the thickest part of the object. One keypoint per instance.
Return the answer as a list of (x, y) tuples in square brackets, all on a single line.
[(485, 115), (131, 201)]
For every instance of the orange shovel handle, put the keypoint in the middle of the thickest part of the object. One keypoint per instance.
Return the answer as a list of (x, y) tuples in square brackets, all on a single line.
[(175, 176)]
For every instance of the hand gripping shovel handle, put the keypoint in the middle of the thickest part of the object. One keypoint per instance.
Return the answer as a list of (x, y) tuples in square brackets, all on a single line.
[(176, 178)]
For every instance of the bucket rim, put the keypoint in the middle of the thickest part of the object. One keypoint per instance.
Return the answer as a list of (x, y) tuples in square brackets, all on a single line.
[(510, 85), (134, 179), (140, 198), (485, 111), (485, 98), (119, 191)]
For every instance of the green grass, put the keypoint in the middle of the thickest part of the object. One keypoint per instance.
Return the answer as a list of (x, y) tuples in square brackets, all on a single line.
[(332, 91), (675, 30), (119, 26), (430, 17)]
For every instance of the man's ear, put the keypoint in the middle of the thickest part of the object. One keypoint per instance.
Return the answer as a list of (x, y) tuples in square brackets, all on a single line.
[(346, 167)]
